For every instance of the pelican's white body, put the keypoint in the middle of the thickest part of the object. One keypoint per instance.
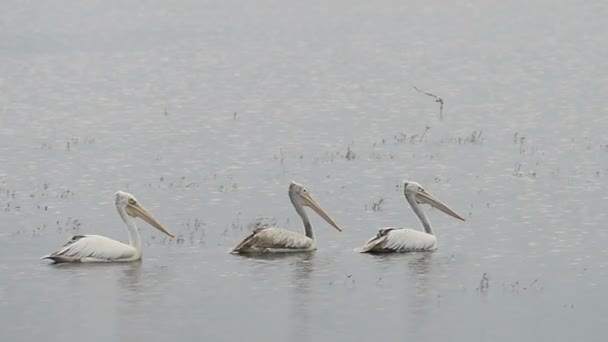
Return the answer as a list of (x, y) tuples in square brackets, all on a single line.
[(400, 240), (275, 240), (96, 248)]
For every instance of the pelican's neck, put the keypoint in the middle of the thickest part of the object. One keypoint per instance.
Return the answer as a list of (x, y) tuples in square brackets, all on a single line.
[(134, 239), (426, 224), (300, 210)]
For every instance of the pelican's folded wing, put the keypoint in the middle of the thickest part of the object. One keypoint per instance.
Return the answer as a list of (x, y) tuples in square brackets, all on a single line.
[(87, 248), (399, 240), (274, 238)]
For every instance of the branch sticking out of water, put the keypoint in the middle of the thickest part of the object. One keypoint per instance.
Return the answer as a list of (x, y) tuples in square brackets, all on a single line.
[(474, 139), (376, 205), (350, 155), (484, 284), (426, 129), (437, 99), (262, 222)]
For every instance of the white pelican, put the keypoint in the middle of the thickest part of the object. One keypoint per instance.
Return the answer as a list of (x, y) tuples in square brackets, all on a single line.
[(409, 240), (96, 248), (277, 240)]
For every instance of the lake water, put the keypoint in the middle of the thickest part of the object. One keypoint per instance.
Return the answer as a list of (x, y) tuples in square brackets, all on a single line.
[(207, 110)]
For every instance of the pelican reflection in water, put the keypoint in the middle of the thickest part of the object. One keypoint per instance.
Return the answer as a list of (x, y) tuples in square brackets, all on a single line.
[(277, 240), (97, 248), (409, 240)]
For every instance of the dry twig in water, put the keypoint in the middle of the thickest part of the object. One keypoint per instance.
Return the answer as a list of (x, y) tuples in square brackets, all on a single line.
[(437, 99)]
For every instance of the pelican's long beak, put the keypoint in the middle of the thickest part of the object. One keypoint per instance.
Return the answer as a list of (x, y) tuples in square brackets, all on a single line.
[(137, 210), (309, 201), (432, 201)]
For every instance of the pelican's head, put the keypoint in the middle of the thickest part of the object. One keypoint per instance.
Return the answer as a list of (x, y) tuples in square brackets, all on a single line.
[(417, 192), (129, 204), (300, 196)]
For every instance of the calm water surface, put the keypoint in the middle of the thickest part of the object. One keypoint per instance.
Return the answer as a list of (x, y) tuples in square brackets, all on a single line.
[(206, 110)]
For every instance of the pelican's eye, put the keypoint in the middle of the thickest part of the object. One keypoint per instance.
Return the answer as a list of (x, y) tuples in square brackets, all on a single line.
[(131, 200)]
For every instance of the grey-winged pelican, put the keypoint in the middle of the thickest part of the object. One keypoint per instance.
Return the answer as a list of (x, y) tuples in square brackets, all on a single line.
[(409, 240), (97, 248), (277, 240)]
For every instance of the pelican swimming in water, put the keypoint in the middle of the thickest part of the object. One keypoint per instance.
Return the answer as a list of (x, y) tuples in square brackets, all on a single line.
[(278, 240), (405, 239), (97, 248)]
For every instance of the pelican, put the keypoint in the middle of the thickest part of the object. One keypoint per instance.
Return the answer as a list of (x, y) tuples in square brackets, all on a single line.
[(279, 240), (409, 240), (97, 248)]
